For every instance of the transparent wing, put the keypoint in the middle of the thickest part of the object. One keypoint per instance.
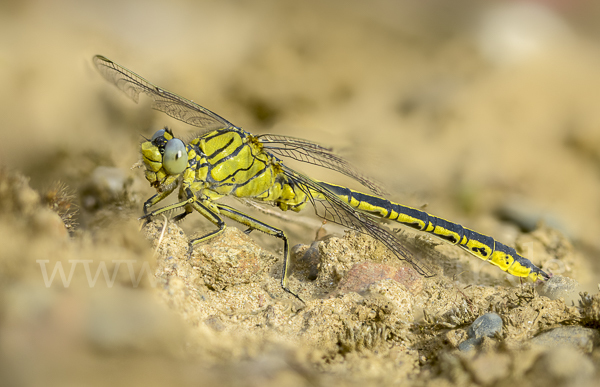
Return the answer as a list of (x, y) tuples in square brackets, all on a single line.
[(174, 105), (312, 153), (333, 209)]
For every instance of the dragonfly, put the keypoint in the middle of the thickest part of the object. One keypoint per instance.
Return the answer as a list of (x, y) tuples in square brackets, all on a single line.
[(225, 160)]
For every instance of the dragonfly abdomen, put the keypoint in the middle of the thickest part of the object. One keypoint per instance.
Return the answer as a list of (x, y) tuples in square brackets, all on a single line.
[(482, 246)]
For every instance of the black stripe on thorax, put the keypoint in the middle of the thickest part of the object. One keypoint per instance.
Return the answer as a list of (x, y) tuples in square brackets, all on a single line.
[(243, 169), (253, 177), (221, 149), (219, 132)]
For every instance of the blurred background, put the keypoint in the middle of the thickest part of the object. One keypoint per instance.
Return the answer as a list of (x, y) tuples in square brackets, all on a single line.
[(476, 111)]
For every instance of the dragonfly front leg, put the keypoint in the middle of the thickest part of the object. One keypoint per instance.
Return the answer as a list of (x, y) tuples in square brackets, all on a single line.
[(155, 199), (171, 207), (191, 202)]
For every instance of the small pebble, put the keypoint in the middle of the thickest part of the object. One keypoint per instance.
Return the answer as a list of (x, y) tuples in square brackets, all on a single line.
[(558, 286), (308, 258), (485, 326), (467, 345), (576, 337), (105, 185)]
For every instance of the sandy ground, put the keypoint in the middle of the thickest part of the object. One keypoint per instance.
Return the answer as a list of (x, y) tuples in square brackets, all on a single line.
[(484, 115)]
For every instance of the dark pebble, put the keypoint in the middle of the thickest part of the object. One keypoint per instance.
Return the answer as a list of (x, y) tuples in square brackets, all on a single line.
[(485, 326)]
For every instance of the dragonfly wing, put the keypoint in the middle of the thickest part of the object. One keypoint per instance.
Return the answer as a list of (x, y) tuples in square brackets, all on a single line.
[(174, 105), (312, 153), (335, 210)]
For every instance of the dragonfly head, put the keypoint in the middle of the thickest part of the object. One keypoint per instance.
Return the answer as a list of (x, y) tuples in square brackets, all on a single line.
[(165, 158)]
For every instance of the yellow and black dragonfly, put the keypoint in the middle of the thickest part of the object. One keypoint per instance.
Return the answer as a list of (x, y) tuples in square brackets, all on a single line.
[(226, 160)]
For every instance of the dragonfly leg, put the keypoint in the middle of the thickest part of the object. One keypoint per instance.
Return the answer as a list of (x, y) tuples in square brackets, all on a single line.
[(148, 216), (156, 198), (211, 215), (197, 205), (255, 224)]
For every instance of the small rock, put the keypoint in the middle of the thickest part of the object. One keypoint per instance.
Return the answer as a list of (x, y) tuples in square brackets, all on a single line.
[(516, 32), (558, 286), (468, 345), (105, 185), (589, 307), (485, 326), (577, 337), (527, 215), (307, 258), (215, 323)]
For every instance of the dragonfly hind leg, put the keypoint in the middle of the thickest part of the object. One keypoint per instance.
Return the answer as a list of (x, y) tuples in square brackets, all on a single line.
[(255, 224)]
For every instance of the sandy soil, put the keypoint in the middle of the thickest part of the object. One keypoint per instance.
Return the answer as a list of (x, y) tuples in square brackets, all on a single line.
[(485, 115)]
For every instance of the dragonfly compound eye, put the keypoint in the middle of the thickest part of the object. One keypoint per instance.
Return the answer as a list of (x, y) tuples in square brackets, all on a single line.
[(175, 156), (159, 133)]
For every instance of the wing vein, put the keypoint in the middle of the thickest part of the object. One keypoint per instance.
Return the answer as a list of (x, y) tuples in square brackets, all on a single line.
[(165, 101)]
